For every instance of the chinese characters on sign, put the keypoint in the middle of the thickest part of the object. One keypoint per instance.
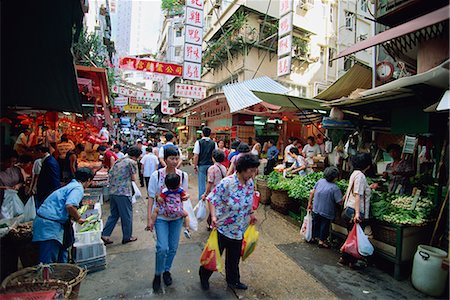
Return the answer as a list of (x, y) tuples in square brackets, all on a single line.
[(193, 39), (190, 91), (148, 111), (120, 101), (133, 108), (148, 96), (165, 109), (138, 64), (285, 37)]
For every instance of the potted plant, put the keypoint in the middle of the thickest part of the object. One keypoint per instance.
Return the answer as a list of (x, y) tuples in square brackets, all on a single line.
[(279, 199), (263, 189)]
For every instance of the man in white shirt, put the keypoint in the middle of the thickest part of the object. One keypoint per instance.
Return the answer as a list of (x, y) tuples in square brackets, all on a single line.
[(311, 149), (118, 151), (149, 165), (289, 160), (169, 143), (203, 150)]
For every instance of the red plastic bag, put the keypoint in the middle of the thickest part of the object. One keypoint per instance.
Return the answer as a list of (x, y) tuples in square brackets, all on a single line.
[(256, 198), (351, 243)]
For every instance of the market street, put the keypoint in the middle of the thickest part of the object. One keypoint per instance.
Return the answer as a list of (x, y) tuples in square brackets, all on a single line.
[(282, 267)]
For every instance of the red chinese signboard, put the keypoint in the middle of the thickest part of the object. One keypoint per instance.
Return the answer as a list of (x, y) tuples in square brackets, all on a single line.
[(136, 101), (190, 91), (138, 64)]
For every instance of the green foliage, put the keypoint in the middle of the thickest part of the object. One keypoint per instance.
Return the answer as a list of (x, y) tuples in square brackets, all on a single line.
[(301, 47), (262, 177), (90, 50), (301, 186), (273, 180), (173, 7), (343, 185)]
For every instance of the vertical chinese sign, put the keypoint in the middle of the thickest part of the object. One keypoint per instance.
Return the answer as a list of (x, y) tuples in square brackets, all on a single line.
[(193, 40), (285, 29)]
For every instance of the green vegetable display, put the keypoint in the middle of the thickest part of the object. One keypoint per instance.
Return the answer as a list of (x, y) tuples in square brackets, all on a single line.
[(92, 224), (83, 209), (301, 186)]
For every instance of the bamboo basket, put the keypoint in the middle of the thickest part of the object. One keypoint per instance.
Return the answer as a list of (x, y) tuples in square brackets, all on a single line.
[(71, 274), (261, 187), (63, 289), (279, 201)]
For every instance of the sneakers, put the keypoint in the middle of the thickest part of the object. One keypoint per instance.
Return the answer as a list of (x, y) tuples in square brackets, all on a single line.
[(237, 286), (187, 234), (167, 278), (157, 284)]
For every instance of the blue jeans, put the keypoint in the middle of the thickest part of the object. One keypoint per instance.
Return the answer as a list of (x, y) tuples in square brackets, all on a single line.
[(167, 238), (321, 227), (52, 252), (202, 175), (120, 207)]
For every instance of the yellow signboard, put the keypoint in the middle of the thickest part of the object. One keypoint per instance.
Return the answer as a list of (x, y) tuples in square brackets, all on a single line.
[(132, 108)]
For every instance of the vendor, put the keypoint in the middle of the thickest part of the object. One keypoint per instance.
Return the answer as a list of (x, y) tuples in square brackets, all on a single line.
[(53, 218), (398, 171), (311, 149), (299, 166), (23, 142), (109, 157)]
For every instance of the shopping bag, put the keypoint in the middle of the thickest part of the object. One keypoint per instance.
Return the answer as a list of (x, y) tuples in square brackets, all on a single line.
[(351, 243), (306, 230), (137, 192), (249, 242), (200, 210), (29, 211), (256, 198), (12, 205), (193, 223), (365, 248), (210, 258)]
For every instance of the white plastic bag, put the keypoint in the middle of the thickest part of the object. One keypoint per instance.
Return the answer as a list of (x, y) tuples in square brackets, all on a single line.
[(29, 211), (306, 230), (365, 248), (193, 223), (137, 192), (12, 205), (200, 211)]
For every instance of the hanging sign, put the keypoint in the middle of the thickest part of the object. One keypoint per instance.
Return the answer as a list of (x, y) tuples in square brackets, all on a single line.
[(285, 30), (190, 91), (146, 65), (194, 35), (136, 101), (286, 6), (148, 111), (285, 45), (165, 109), (148, 96), (192, 71), (194, 17), (193, 39), (132, 108), (284, 66), (123, 91), (193, 53), (120, 101), (285, 26), (195, 4)]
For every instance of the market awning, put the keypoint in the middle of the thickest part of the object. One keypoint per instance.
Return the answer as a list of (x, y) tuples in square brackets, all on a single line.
[(358, 77), (432, 18), (290, 102), (436, 78), (240, 95)]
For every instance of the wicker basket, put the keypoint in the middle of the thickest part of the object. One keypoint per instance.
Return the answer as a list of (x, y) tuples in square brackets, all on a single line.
[(63, 290), (71, 274), (261, 186), (279, 201)]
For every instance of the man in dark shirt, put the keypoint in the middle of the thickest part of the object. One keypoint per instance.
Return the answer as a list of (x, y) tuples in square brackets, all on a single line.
[(50, 176), (203, 150)]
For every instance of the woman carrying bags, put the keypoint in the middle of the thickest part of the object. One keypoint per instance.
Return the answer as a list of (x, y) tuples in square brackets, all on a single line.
[(357, 199), (231, 213)]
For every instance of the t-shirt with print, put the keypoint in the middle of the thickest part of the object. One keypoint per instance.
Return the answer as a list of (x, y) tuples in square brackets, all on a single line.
[(156, 186), (233, 203), (311, 151), (216, 173), (326, 195), (120, 177), (173, 203)]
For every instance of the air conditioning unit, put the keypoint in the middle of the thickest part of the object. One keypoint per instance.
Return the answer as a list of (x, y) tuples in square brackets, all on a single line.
[(305, 4), (217, 3)]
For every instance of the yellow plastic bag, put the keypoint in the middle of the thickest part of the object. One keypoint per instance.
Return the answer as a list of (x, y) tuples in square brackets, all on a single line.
[(251, 237), (210, 258)]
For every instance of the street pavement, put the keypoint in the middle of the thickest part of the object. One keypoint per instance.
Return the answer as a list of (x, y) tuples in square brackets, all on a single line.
[(282, 266)]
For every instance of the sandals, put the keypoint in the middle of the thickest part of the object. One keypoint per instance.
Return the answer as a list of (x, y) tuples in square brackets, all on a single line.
[(324, 246), (106, 241), (132, 239)]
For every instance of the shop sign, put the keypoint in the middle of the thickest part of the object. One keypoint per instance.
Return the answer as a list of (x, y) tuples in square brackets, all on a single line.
[(285, 25), (193, 53), (165, 109), (155, 77), (120, 101), (195, 4), (284, 66), (194, 35), (285, 45), (148, 96), (148, 111), (192, 71), (194, 16), (136, 101), (193, 121), (190, 91), (123, 91), (286, 6), (132, 108), (146, 65)]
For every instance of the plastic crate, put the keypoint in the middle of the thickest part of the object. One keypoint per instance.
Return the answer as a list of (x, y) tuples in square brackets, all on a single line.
[(93, 265), (87, 252), (90, 237)]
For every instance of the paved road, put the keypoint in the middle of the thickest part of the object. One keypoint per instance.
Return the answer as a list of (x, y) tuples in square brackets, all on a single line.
[(276, 270)]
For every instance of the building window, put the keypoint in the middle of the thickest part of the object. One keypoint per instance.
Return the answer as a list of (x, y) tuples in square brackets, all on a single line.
[(349, 20), (364, 5), (363, 37), (178, 32), (348, 63), (322, 55), (177, 51), (330, 57), (331, 13), (296, 90)]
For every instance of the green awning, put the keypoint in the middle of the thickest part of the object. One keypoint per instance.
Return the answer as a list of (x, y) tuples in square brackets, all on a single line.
[(292, 103)]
